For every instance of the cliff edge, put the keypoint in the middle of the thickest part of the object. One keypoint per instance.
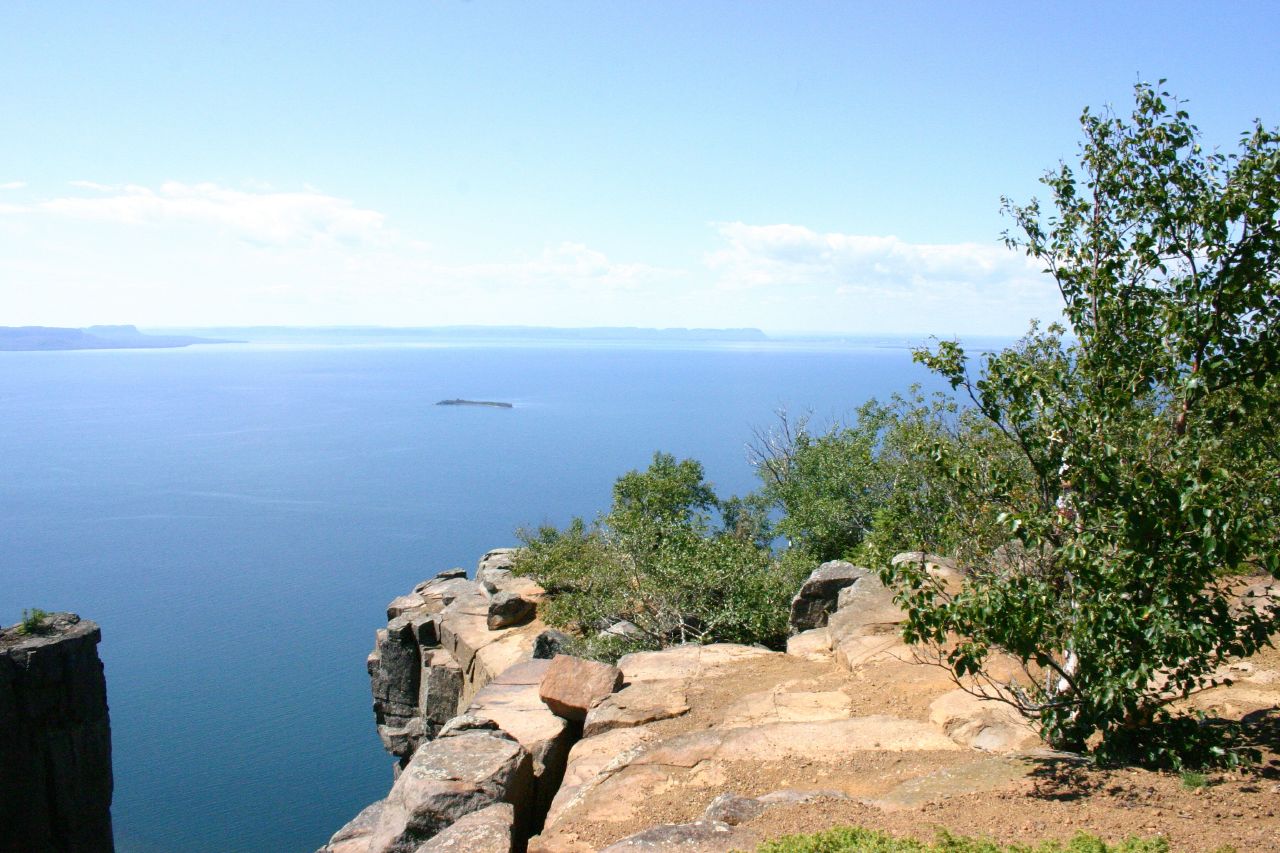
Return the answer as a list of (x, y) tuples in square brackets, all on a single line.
[(55, 739)]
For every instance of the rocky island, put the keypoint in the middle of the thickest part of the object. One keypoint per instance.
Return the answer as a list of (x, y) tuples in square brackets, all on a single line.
[(490, 403)]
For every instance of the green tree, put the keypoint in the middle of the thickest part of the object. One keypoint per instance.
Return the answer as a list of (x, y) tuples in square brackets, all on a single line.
[(659, 560), (1154, 477), (827, 485)]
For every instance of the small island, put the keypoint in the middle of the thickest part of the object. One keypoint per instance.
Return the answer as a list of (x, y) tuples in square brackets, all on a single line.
[(490, 403)]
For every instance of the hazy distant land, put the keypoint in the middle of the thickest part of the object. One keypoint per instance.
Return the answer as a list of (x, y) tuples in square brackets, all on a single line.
[(26, 338), (443, 334)]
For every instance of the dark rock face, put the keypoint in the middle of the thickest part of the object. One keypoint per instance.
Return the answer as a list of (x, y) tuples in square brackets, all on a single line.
[(817, 598), (55, 740), (550, 643), (507, 609)]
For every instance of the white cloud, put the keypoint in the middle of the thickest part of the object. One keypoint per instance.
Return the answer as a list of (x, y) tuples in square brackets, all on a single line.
[(93, 185), (568, 264), (13, 185), (981, 287), (268, 218), (182, 253)]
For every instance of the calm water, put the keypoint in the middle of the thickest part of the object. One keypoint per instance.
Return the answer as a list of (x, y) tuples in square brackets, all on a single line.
[(237, 517)]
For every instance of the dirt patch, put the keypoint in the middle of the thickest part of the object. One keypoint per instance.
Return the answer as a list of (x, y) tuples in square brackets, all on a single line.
[(1239, 809)]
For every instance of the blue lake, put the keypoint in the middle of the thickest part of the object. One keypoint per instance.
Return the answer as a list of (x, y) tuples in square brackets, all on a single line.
[(236, 518)]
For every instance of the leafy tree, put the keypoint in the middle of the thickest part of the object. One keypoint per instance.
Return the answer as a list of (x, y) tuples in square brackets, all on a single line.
[(1153, 472), (827, 485), (659, 561), (931, 501), (858, 491)]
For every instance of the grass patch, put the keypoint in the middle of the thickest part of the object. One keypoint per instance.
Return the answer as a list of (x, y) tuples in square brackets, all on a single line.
[(856, 840), (33, 621), (1192, 780)]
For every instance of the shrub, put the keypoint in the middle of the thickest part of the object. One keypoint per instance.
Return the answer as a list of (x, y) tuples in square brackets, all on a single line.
[(33, 621), (659, 561)]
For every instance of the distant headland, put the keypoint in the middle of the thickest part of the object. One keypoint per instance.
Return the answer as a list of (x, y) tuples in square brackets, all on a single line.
[(32, 338), (460, 402), (476, 335)]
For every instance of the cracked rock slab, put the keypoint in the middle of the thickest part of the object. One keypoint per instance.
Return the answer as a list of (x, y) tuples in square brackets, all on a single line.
[(445, 780), (490, 830), (703, 836)]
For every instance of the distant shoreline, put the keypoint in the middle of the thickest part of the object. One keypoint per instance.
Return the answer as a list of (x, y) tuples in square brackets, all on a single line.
[(57, 338)]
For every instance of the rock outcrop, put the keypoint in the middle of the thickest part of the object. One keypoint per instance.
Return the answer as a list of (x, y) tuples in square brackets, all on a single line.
[(55, 739), (509, 746), (818, 596), (456, 701), (438, 650)]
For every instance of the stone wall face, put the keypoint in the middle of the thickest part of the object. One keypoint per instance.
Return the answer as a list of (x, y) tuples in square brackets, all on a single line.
[(55, 740), (443, 643)]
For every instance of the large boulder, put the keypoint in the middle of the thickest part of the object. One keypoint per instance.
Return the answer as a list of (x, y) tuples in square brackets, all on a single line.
[(814, 644), (496, 559), (865, 626), (355, 836), (816, 600), (511, 701), (447, 779), (495, 575), (490, 830), (508, 608), (573, 686)]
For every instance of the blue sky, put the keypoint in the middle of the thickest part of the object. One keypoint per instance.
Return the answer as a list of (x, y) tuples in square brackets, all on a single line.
[(815, 166)]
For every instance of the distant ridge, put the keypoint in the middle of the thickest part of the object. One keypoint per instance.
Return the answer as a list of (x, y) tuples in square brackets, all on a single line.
[(34, 338), (427, 334)]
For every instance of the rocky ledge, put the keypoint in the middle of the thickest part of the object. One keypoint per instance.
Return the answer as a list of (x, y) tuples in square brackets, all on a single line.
[(505, 747), (55, 738)]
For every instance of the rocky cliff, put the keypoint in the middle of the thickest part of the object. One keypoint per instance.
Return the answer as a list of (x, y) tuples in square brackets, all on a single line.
[(704, 749), (498, 738), (55, 739)]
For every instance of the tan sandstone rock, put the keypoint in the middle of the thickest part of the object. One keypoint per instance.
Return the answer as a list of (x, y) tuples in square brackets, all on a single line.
[(445, 780), (814, 644), (511, 700), (703, 836), (985, 724), (490, 830), (573, 686)]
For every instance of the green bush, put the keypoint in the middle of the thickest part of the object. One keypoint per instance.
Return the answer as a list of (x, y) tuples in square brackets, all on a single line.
[(856, 840), (33, 621), (660, 561)]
